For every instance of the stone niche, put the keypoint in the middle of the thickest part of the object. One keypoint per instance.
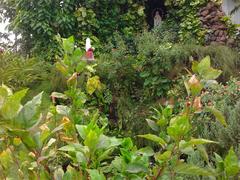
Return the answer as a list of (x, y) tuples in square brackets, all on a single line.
[(151, 7)]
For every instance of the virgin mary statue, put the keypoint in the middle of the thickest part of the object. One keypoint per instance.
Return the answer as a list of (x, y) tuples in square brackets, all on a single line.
[(157, 19)]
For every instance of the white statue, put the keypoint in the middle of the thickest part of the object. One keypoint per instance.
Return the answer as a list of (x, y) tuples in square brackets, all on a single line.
[(89, 56), (157, 19), (88, 44)]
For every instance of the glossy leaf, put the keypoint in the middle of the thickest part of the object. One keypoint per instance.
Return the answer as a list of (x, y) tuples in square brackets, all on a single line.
[(3, 95), (136, 168), (204, 65), (95, 175), (189, 169), (62, 68), (146, 151), (71, 174), (153, 125), (212, 74), (179, 126), (219, 163), (91, 140), (25, 136), (154, 138), (82, 130), (12, 105), (231, 163), (199, 142), (63, 110), (219, 116), (163, 156), (68, 45), (29, 114), (195, 67)]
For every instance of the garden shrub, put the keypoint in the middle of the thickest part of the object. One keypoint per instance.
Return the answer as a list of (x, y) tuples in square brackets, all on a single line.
[(150, 71), (117, 70), (71, 139), (160, 60), (19, 72), (226, 98), (223, 57), (39, 22)]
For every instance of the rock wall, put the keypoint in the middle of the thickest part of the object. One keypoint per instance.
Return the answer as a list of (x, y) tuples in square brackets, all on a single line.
[(210, 17)]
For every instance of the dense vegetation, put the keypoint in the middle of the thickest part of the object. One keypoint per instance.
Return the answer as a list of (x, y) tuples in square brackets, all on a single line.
[(153, 105)]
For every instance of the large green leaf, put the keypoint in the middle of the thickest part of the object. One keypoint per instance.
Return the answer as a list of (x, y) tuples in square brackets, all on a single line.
[(211, 74), (29, 114), (146, 151), (92, 139), (68, 148), (136, 168), (106, 142), (82, 130), (77, 54), (62, 110), (204, 65), (3, 95), (25, 136), (179, 126), (219, 116), (154, 138), (105, 155), (167, 112), (71, 174), (58, 174), (95, 174), (62, 68), (163, 156), (206, 71), (185, 147), (81, 66), (219, 163), (194, 141), (231, 163), (153, 125), (68, 45), (195, 67), (189, 169), (12, 105), (6, 158), (81, 157)]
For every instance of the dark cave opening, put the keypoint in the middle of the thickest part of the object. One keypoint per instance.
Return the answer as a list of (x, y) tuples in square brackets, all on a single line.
[(152, 6)]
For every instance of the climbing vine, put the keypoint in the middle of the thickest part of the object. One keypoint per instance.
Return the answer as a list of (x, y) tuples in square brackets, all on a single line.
[(186, 12)]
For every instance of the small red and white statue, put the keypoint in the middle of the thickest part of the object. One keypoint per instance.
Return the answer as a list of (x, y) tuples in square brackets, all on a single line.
[(89, 56)]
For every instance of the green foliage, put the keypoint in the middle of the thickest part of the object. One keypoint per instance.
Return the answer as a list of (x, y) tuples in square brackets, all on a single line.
[(19, 72), (39, 22), (69, 140), (25, 136), (226, 99), (150, 55), (175, 135), (186, 13)]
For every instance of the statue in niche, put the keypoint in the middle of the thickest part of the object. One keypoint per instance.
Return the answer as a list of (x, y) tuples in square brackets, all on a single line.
[(157, 19)]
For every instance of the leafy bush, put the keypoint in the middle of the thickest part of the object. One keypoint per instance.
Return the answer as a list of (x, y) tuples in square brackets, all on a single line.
[(226, 98), (70, 140), (186, 14), (149, 71), (79, 18), (19, 72)]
